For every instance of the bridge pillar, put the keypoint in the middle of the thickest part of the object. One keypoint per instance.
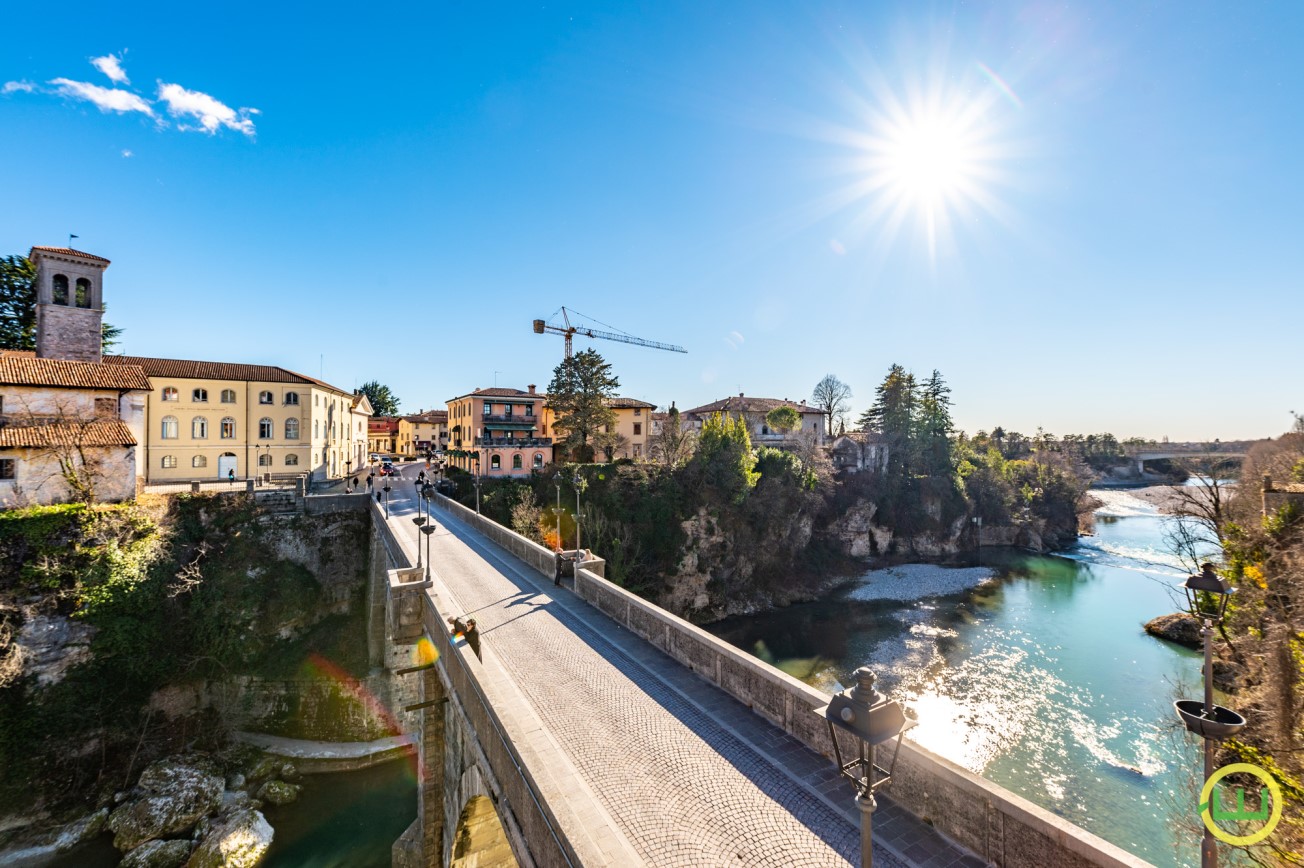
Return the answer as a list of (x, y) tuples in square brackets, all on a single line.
[(1140, 467), (430, 767)]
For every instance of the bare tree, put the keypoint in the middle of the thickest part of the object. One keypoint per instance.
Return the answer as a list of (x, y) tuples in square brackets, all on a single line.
[(832, 397), (609, 443), (672, 446), (72, 442)]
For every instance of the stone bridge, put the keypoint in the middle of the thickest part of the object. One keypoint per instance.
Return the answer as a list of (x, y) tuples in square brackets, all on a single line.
[(1232, 450), (599, 729)]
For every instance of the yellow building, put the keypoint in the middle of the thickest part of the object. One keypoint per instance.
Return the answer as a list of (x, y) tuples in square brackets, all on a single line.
[(496, 432), (633, 424), (423, 431), (209, 420)]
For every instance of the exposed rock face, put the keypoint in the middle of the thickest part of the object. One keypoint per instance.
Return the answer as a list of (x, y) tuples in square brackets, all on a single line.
[(51, 645), (1179, 627), (279, 792), (237, 841), (82, 830), (157, 854), (172, 796)]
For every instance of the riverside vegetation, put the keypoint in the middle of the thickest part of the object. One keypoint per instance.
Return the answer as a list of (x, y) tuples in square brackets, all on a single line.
[(103, 607), (714, 526)]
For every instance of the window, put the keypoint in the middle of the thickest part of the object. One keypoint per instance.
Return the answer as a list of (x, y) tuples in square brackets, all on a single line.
[(170, 429), (265, 460), (488, 409), (638, 411), (199, 428), (83, 292), (171, 394), (316, 428), (8, 468), (507, 410), (516, 461), (169, 461), (265, 428), (495, 462), (228, 428), (264, 397), (538, 459), (199, 396), (228, 396), (529, 410), (199, 461), (292, 398), (291, 429), (292, 461), (60, 289), (106, 407), (638, 428)]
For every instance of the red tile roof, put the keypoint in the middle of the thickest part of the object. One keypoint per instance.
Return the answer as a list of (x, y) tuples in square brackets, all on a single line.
[(97, 433), (740, 404), (500, 392), (429, 417), (21, 370), (68, 251), (629, 403), (191, 370)]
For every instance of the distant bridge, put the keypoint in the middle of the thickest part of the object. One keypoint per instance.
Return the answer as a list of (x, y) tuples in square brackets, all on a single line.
[(1233, 450)]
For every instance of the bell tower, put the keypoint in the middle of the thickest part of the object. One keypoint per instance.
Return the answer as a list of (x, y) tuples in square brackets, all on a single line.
[(69, 303)]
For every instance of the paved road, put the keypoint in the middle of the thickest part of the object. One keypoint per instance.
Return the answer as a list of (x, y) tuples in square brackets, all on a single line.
[(689, 775)]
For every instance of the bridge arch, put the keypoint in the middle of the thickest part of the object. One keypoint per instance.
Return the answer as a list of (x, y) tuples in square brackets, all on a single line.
[(480, 841)]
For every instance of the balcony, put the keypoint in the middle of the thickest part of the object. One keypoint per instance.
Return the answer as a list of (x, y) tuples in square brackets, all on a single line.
[(509, 419), (512, 443)]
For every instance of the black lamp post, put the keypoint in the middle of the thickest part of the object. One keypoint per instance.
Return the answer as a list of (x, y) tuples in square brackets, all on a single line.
[(556, 480), (580, 484), (386, 489), (429, 531), (419, 520), (1207, 595), (871, 719)]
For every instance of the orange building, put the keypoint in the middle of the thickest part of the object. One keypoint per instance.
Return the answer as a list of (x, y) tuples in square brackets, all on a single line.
[(496, 432)]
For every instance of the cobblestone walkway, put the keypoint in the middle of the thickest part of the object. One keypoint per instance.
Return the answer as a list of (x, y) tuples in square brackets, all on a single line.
[(689, 775)]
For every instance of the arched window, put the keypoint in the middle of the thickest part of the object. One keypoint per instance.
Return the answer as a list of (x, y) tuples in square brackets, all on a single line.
[(292, 397), (199, 396), (516, 461), (60, 289), (292, 461), (323, 456), (170, 394), (265, 460), (199, 461), (494, 462), (538, 459), (228, 428), (228, 396), (316, 428), (83, 292), (199, 428), (169, 461), (264, 397), (171, 430), (265, 429), (291, 429)]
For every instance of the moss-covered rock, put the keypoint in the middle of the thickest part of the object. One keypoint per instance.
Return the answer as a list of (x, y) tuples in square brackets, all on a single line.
[(238, 841), (279, 792), (157, 854), (1180, 628), (172, 797)]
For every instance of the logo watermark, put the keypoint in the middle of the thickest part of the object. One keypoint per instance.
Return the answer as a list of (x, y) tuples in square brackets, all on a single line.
[(1269, 810)]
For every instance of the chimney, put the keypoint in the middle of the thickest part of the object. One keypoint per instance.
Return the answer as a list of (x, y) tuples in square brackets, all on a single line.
[(740, 394), (532, 388)]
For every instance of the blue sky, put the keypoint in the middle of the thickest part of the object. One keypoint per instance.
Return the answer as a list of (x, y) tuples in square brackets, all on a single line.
[(1114, 187)]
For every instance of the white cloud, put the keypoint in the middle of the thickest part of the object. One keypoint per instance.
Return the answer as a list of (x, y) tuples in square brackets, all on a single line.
[(107, 98), (18, 87), (128, 153), (210, 113), (111, 65)]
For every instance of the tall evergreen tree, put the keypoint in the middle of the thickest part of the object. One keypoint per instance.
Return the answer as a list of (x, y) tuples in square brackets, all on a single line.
[(383, 401), (893, 415), (578, 394), (934, 427), (17, 303)]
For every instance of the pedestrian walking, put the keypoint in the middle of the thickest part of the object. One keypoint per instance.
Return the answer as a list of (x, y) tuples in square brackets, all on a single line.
[(230, 477), (371, 481)]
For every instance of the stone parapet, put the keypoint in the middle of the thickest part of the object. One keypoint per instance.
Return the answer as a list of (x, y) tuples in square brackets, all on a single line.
[(1000, 826)]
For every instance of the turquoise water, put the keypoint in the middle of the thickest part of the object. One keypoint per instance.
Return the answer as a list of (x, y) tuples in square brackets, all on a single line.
[(1042, 681)]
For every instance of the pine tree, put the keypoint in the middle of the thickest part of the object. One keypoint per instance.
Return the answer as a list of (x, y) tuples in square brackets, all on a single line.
[(934, 428), (578, 394)]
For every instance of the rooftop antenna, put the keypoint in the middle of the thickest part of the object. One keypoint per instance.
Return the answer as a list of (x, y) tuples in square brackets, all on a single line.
[(496, 373)]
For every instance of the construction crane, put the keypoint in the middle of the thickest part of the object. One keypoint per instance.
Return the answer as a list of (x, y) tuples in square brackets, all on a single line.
[(569, 331)]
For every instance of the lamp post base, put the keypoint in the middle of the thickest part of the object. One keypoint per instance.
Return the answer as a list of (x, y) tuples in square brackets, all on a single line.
[(866, 805)]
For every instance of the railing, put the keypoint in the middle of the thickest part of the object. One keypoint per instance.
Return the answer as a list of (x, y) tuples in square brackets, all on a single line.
[(515, 418), (512, 442)]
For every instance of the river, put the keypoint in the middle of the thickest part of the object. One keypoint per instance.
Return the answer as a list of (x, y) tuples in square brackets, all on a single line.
[(1041, 680)]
